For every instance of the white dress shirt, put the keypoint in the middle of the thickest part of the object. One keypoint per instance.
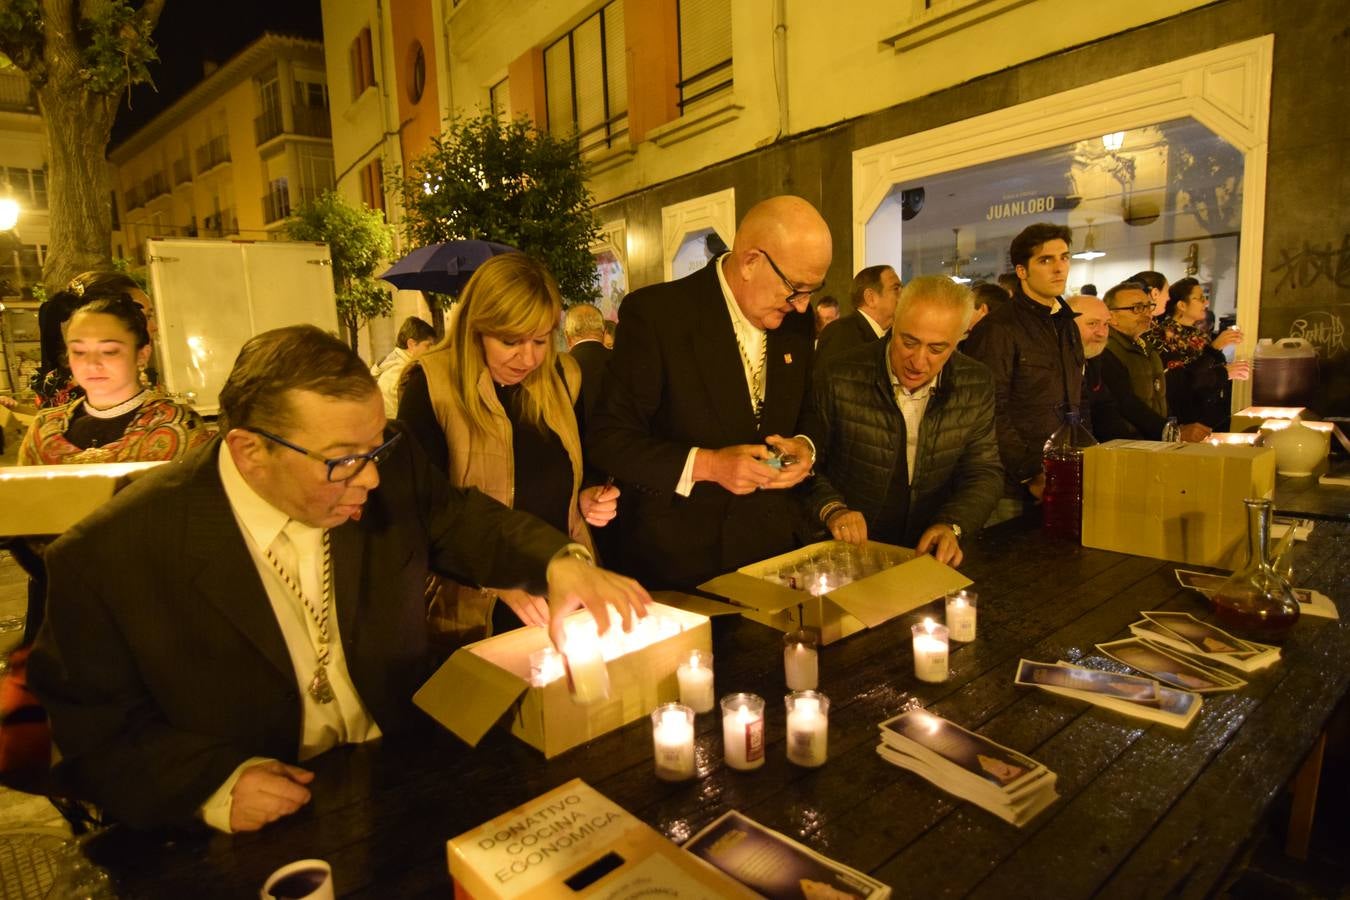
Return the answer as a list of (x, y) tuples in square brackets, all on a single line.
[(913, 404), (876, 329), (323, 725)]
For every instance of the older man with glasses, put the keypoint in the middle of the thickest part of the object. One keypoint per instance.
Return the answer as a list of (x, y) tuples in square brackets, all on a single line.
[(701, 404), (1133, 372), (261, 602)]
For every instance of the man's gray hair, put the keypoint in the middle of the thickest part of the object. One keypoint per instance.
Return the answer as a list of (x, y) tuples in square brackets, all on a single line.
[(940, 291), (583, 321)]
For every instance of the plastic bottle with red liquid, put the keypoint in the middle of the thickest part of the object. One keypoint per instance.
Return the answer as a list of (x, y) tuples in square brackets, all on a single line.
[(1062, 500)]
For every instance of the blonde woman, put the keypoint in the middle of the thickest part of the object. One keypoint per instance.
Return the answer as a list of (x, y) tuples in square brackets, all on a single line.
[(496, 406)]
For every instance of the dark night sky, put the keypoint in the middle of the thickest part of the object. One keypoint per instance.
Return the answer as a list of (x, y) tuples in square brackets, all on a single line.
[(192, 31)]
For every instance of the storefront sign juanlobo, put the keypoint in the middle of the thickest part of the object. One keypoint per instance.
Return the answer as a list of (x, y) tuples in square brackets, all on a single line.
[(1029, 206)]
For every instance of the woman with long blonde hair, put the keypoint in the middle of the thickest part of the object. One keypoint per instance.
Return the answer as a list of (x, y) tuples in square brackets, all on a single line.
[(495, 405)]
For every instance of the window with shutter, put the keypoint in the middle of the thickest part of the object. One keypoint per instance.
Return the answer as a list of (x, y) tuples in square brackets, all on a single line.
[(705, 49), (586, 80)]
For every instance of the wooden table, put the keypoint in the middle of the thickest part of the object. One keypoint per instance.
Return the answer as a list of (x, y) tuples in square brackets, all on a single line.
[(1307, 498), (1145, 810)]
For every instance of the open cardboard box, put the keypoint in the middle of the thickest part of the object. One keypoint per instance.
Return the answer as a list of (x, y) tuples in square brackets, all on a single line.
[(482, 681), (49, 499), (576, 842), (14, 424), (1251, 418), (1181, 502), (861, 604)]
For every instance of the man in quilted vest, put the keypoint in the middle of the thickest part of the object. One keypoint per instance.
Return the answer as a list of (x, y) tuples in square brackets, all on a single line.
[(906, 451)]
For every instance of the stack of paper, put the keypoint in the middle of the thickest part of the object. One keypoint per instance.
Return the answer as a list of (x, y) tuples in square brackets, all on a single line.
[(1008, 784), (775, 866), (1310, 603), (1129, 694), (1187, 634)]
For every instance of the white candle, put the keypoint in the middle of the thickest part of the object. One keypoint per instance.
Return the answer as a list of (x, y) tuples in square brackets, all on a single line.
[(930, 651), (696, 682), (961, 607), (743, 731), (673, 741), (586, 668), (801, 663), (820, 586), (808, 721)]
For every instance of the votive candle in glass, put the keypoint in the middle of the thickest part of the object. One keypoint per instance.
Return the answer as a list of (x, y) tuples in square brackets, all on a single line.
[(546, 666), (673, 741), (743, 731), (586, 668), (808, 723), (801, 661), (696, 681), (930, 651), (961, 607)]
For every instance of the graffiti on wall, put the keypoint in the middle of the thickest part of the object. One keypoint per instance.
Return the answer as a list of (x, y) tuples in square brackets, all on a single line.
[(1313, 264), (1323, 329)]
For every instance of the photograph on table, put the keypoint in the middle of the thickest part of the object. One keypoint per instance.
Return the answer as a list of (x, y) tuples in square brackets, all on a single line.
[(1202, 636), (971, 752), (1169, 668), (1310, 603), (1090, 681)]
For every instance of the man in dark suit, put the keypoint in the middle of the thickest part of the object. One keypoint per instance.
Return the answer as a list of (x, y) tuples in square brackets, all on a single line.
[(261, 602), (876, 290), (584, 329), (706, 383)]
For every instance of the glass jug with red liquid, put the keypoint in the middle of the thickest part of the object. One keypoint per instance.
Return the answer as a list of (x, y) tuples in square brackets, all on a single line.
[(1062, 499)]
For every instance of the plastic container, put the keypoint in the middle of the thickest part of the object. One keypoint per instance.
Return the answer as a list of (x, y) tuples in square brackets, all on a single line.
[(1284, 373), (1062, 500)]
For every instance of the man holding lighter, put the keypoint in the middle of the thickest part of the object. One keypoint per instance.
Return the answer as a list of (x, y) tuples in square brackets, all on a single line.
[(704, 392)]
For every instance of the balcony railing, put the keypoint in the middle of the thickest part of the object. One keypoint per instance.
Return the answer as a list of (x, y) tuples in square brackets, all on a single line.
[(213, 153), (268, 125), (312, 121), (182, 172), (16, 94), (154, 186), (133, 199), (219, 224)]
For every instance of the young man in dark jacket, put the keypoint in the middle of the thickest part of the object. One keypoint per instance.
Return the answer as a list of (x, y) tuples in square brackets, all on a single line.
[(904, 431), (1034, 353)]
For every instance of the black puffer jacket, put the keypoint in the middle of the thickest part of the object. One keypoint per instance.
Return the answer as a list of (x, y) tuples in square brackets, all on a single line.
[(860, 439), (1037, 362)]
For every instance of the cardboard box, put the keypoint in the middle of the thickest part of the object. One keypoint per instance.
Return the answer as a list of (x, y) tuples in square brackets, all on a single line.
[(479, 683), (864, 603), (14, 425), (1250, 419), (50, 499), (1181, 502), (575, 842)]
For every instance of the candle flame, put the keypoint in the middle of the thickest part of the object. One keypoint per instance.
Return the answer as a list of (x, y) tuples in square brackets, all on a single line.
[(929, 625)]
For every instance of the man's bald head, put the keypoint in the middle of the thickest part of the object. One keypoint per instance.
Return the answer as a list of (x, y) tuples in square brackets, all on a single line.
[(1094, 323), (782, 247)]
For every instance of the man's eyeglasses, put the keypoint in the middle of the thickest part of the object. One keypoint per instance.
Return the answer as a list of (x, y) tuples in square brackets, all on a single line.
[(795, 294), (1138, 309), (341, 468)]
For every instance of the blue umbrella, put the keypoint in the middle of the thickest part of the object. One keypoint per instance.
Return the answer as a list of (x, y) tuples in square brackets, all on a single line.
[(442, 268)]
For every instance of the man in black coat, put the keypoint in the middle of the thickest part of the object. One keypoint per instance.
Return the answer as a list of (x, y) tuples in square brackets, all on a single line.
[(1033, 350), (904, 431), (876, 290), (706, 384), (584, 329), (229, 616)]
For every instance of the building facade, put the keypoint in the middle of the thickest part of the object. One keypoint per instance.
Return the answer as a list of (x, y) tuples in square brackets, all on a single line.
[(231, 157), (1183, 136)]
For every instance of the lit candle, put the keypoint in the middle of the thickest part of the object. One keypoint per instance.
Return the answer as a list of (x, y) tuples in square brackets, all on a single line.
[(586, 668), (821, 586), (743, 731), (930, 651), (673, 741), (961, 615), (546, 666), (808, 721), (801, 663), (696, 682)]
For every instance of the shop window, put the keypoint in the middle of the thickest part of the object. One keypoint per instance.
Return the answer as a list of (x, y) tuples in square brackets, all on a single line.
[(1166, 197)]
